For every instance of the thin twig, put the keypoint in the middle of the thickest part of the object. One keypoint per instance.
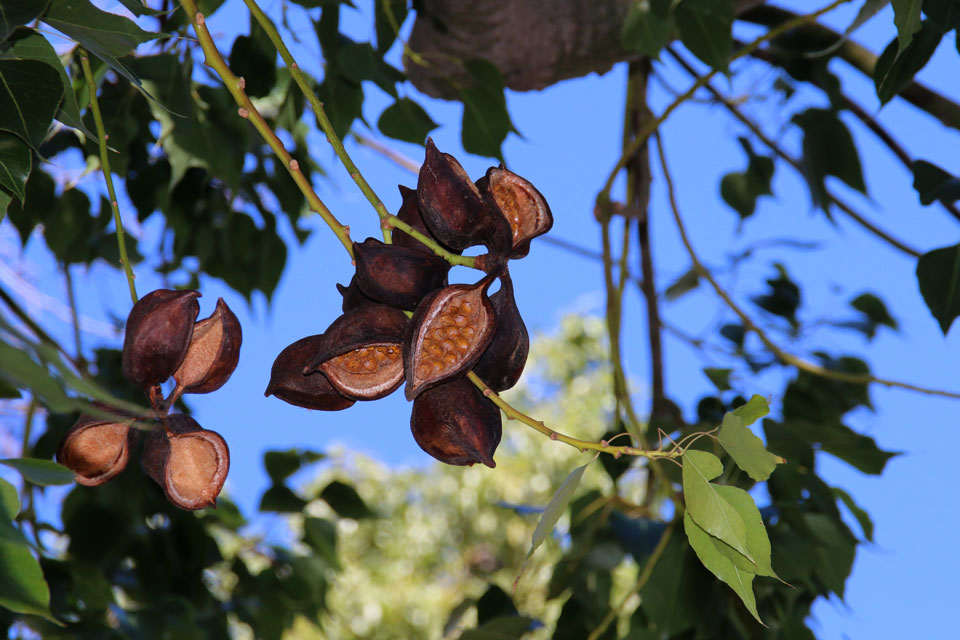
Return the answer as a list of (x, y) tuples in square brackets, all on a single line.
[(75, 315), (793, 162), (603, 199), (402, 161), (107, 175), (235, 86), (749, 325), (31, 324)]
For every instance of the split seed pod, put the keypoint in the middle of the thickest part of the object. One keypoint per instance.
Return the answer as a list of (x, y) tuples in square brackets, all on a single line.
[(352, 296), (360, 353), (456, 424), (159, 329), (188, 461), (288, 382), (96, 449), (410, 213), (213, 352), (449, 332), (396, 276), (454, 209), (522, 205), (503, 361)]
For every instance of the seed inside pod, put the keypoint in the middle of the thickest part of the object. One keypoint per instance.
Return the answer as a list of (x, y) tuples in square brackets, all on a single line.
[(213, 353), (96, 450), (456, 424), (288, 382), (502, 363), (158, 333), (396, 276), (367, 373), (522, 205), (188, 461), (450, 330)]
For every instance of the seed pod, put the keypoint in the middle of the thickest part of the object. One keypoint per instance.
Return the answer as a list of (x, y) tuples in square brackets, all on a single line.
[(453, 208), (396, 276), (448, 334), (188, 461), (352, 296), (524, 207), (456, 424), (360, 353), (502, 363), (410, 213), (213, 352), (288, 382), (96, 449), (158, 334)]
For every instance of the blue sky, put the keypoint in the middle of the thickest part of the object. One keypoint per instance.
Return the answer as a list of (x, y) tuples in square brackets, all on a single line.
[(571, 136)]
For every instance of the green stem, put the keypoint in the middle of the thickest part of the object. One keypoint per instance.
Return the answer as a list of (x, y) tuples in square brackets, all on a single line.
[(235, 86), (748, 323), (74, 315), (107, 175), (630, 150)]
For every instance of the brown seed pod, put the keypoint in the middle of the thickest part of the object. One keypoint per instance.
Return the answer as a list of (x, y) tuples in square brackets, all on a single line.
[(288, 382), (396, 276), (360, 353), (453, 208), (188, 461), (502, 363), (522, 205), (448, 333), (158, 334), (410, 213), (352, 296), (456, 424), (213, 352), (97, 449)]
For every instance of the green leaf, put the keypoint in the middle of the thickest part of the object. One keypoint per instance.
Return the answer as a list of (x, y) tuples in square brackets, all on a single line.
[(30, 45), (938, 274), (783, 298), (756, 408), (30, 92), (5, 200), (906, 15), (345, 500), (555, 508), (684, 284), (895, 70), (869, 9), (360, 61), (23, 373), (665, 599), (863, 518), (645, 31), (740, 190), (280, 465), (706, 506), (735, 191), (502, 628), (828, 150), (136, 8), (875, 311), (281, 499), (746, 449), (944, 13), (254, 59), (40, 472), (321, 535), (855, 449), (388, 17), (933, 183), (22, 589), (719, 377), (757, 541), (15, 162), (719, 565), (16, 13), (705, 28), (406, 120), (9, 508), (105, 35), (486, 121)]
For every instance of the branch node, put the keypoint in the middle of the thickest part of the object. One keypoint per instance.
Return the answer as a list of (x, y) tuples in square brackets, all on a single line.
[(199, 19), (243, 113), (553, 435), (295, 166), (242, 82)]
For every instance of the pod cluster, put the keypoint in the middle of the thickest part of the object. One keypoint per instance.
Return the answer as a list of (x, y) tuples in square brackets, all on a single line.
[(164, 340), (373, 348)]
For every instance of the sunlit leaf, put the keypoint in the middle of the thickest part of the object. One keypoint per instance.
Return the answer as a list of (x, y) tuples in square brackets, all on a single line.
[(755, 408), (746, 449), (705, 504)]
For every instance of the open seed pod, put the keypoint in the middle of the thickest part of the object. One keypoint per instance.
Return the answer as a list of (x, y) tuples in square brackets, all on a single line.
[(188, 461), (410, 213), (360, 353), (213, 352), (352, 296), (449, 332), (502, 363), (396, 276), (456, 424), (97, 449), (453, 208), (288, 382), (522, 205), (159, 329)]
